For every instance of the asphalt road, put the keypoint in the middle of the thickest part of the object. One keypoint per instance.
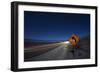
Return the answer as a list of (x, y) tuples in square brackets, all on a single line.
[(57, 53), (62, 51)]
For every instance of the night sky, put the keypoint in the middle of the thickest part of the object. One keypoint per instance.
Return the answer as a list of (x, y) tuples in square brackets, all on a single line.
[(55, 26)]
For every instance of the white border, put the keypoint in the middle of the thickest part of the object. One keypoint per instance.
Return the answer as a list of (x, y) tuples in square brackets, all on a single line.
[(22, 64)]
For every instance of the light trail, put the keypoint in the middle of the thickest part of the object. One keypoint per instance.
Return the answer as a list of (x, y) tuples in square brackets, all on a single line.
[(66, 42)]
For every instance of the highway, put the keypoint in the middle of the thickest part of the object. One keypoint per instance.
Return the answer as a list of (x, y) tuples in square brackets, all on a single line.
[(57, 53), (60, 51)]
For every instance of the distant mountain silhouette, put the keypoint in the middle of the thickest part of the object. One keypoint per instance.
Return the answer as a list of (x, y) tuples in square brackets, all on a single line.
[(41, 41)]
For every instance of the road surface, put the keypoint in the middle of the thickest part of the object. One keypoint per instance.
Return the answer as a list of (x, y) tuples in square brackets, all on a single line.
[(58, 51)]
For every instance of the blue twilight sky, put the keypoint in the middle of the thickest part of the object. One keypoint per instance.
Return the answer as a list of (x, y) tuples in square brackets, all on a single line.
[(55, 26)]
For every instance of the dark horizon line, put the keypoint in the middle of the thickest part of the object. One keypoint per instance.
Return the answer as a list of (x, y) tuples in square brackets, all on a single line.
[(53, 40)]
